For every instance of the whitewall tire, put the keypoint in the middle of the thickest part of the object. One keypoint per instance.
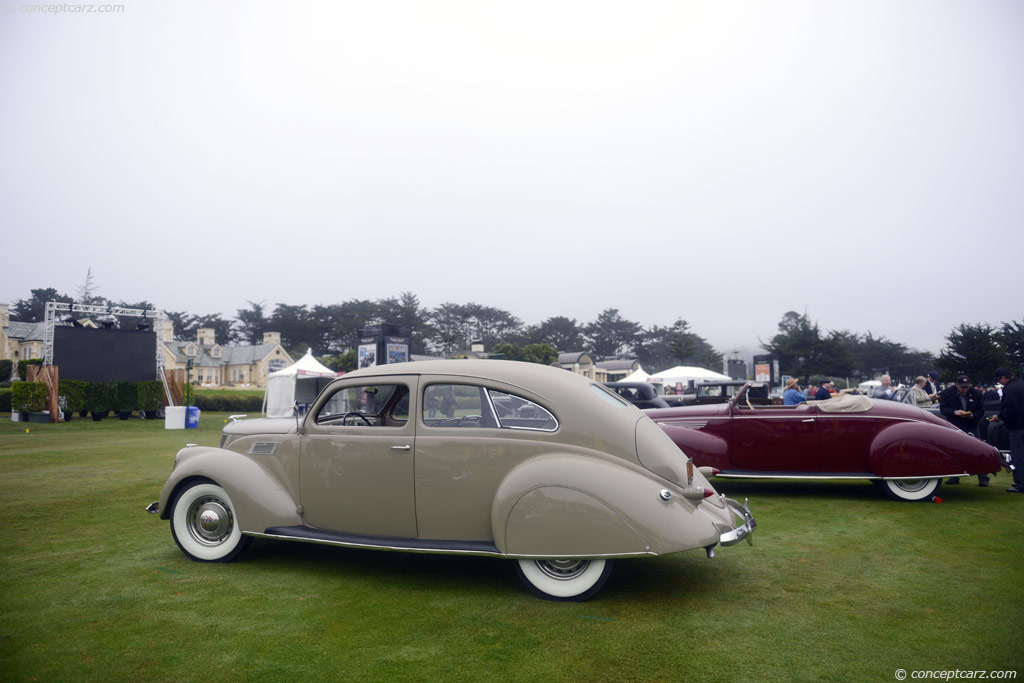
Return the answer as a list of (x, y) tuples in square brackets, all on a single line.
[(564, 580), (203, 523), (911, 489)]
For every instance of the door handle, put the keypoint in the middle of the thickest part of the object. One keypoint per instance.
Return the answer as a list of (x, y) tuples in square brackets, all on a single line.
[(401, 448), (810, 419)]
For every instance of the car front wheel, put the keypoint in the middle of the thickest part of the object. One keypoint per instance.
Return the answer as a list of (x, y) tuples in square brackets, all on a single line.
[(571, 580), (203, 523), (911, 489)]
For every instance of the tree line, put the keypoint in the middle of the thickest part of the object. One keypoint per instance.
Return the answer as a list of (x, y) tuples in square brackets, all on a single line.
[(803, 349)]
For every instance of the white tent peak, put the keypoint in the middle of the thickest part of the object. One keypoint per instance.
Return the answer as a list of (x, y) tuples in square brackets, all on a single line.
[(299, 383), (307, 365)]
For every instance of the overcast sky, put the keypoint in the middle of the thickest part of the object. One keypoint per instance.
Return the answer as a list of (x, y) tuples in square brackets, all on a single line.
[(720, 162)]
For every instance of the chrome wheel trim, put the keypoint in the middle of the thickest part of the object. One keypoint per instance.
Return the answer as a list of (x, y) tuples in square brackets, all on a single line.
[(563, 570), (209, 521), (910, 485)]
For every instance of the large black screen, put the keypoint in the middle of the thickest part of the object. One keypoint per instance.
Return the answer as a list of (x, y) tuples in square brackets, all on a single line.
[(99, 355)]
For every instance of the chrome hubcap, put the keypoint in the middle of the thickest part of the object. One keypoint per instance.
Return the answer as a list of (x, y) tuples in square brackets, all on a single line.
[(563, 570), (210, 521), (911, 485)]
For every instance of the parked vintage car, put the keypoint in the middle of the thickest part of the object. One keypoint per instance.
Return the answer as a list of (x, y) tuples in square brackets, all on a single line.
[(722, 391), (640, 394), (475, 457), (904, 449)]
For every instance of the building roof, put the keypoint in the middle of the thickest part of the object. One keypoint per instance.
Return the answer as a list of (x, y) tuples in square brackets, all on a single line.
[(575, 357), (25, 331), (231, 355), (628, 364)]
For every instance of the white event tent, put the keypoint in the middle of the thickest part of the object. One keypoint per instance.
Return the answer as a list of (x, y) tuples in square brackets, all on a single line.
[(638, 376), (297, 383), (682, 374)]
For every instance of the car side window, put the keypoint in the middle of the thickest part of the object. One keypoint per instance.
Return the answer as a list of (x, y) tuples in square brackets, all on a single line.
[(515, 412), (366, 406), (456, 405)]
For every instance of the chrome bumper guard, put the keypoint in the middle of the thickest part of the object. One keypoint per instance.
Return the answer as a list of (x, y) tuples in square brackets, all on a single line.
[(744, 530)]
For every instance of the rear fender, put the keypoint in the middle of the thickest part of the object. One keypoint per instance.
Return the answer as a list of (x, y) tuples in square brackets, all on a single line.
[(259, 498), (571, 505), (705, 449), (906, 450)]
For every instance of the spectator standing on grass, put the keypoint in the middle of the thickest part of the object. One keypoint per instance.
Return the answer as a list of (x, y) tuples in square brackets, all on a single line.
[(1011, 413), (823, 393), (919, 395), (884, 390), (963, 406), (932, 385), (793, 395)]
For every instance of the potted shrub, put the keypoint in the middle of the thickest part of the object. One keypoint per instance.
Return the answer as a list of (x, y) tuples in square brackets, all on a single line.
[(151, 398), (30, 399), (97, 399), (19, 401), (126, 397), (73, 392)]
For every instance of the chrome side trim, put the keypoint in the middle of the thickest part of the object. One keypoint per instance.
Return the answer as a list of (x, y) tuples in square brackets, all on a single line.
[(862, 477)]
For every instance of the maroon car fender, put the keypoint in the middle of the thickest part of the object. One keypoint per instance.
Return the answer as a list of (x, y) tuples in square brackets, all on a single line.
[(905, 449), (705, 449)]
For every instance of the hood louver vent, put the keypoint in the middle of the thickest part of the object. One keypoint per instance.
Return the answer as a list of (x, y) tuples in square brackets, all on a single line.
[(263, 448)]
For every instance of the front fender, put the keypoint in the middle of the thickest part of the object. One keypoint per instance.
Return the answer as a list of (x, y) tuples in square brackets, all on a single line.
[(259, 498), (571, 505)]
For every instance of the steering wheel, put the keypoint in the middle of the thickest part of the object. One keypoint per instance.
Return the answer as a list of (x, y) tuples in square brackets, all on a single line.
[(355, 414)]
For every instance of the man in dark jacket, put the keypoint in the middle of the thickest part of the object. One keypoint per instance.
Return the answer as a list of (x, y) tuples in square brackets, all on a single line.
[(1011, 413), (823, 393), (964, 406)]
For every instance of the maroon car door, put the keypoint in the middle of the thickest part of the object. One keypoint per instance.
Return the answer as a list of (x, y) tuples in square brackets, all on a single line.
[(772, 438)]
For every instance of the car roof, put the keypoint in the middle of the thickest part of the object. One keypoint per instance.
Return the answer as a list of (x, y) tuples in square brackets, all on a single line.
[(540, 379)]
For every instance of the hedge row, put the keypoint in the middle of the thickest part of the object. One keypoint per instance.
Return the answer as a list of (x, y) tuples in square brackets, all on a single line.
[(92, 396), (230, 403), (5, 400)]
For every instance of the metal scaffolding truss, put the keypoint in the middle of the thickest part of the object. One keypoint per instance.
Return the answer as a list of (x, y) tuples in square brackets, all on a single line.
[(55, 307)]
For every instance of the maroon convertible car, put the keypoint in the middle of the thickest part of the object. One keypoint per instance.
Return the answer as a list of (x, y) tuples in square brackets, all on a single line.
[(904, 449)]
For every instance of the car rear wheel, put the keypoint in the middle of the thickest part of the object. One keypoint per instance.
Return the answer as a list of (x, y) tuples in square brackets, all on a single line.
[(911, 489), (572, 580), (203, 523)]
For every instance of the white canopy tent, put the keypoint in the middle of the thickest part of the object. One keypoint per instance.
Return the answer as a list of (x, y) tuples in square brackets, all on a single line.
[(297, 383), (638, 376), (682, 374)]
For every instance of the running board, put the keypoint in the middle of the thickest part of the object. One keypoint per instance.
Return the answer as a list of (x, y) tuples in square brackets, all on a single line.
[(414, 545)]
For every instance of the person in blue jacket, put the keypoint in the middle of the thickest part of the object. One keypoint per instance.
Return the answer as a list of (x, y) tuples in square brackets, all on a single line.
[(823, 393), (793, 396)]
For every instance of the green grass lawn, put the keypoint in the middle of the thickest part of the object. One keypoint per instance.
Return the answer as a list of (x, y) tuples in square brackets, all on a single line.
[(841, 584)]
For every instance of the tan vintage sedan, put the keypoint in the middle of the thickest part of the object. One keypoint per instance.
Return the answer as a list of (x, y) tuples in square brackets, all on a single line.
[(472, 457)]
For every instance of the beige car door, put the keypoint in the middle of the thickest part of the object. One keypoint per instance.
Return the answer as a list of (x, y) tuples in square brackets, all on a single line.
[(356, 471)]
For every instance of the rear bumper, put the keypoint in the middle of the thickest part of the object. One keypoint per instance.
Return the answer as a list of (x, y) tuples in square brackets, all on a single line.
[(746, 527)]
